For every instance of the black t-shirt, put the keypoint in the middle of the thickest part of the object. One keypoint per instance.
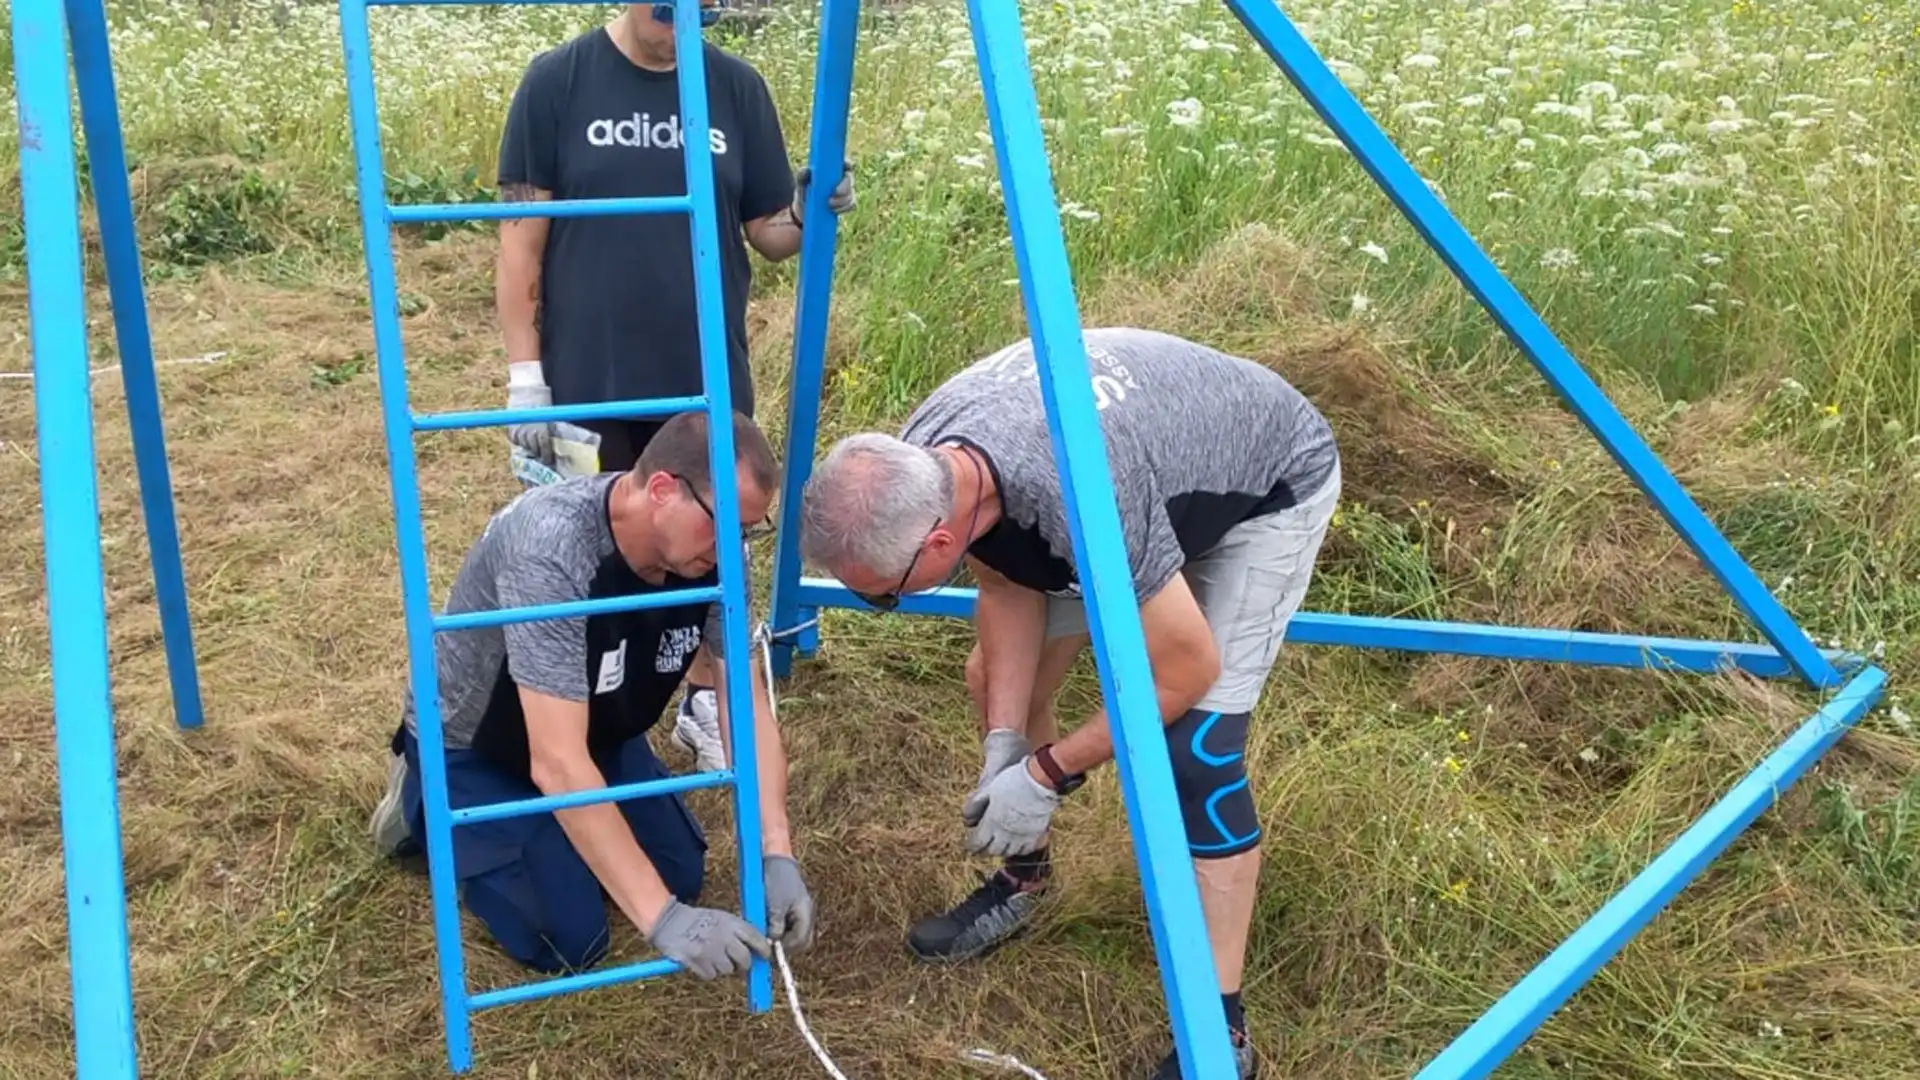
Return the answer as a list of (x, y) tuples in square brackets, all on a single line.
[(617, 312)]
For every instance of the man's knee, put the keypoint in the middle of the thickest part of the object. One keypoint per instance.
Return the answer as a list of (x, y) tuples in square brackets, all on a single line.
[(548, 933), (1208, 749)]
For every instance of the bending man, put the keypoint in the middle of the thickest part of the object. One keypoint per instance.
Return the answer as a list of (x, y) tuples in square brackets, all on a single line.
[(1226, 479), (560, 705)]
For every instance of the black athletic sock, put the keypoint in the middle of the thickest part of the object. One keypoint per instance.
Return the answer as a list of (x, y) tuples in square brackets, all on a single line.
[(1236, 1017), (1031, 868)]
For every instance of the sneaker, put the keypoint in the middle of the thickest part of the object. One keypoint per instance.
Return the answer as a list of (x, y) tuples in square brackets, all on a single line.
[(999, 909), (1246, 1067), (389, 825), (696, 726)]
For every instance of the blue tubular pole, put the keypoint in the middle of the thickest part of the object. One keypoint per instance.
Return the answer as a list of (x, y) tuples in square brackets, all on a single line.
[(1501, 1030), (832, 100), (595, 410), (730, 553), (107, 160), (414, 213), (97, 944), (404, 481), (1421, 635), (1113, 615), (1457, 249)]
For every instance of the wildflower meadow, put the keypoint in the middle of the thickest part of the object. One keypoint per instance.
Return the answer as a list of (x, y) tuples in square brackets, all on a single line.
[(1714, 203)]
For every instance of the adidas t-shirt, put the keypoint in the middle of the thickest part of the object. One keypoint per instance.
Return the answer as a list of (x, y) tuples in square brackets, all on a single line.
[(1198, 441)]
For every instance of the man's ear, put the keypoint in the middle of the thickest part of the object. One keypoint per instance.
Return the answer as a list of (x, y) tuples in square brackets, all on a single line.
[(659, 487)]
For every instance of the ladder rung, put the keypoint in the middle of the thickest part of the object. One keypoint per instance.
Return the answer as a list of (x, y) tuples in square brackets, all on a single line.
[(470, 815), (636, 409), (473, 620), (567, 984), (409, 213)]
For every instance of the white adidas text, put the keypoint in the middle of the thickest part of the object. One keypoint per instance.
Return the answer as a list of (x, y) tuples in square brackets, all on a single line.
[(642, 131)]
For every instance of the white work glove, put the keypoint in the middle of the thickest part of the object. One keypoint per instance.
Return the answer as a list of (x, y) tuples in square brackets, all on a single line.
[(1017, 811), (839, 200), (527, 389), (1002, 749)]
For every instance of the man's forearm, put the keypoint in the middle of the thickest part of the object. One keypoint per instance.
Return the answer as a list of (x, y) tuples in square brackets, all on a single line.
[(516, 302), (1011, 623), (770, 758), (605, 841)]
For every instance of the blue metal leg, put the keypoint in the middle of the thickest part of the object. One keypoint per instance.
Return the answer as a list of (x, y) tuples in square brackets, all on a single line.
[(107, 157), (1383, 162), (1500, 1031), (70, 509), (1140, 749), (705, 225), (832, 97), (403, 475)]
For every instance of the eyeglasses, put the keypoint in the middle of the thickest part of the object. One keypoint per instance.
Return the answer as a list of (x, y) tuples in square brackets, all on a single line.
[(663, 13), (889, 601), (759, 530)]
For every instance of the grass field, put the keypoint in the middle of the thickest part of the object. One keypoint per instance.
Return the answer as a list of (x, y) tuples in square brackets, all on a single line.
[(1716, 206)]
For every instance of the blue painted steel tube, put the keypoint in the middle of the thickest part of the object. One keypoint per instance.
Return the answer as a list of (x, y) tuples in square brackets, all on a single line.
[(113, 202), (1113, 616), (1419, 635), (697, 153), (634, 409), (832, 98), (404, 480), (468, 620), (573, 984), (102, 977), (545, 804), (411, 213), (1501, 1030), (1457, 249)]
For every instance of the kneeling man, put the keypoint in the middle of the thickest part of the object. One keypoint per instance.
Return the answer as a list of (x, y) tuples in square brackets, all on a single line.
[(560, 705), (1226, 478)]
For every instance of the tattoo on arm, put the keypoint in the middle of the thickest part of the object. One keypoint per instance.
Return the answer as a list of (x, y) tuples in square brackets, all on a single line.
[(516, 192)]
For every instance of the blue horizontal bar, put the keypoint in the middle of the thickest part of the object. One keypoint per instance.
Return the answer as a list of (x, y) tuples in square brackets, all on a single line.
[(633, 409), (1502, 1029), (473, 620), (413, 213), (572, 984), (1419, 635), (470, 815)]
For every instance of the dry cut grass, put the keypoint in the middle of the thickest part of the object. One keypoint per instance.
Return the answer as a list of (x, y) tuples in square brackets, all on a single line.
[(1435, 825)]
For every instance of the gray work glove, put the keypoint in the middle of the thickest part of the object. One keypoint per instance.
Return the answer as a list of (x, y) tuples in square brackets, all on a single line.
[(1017, 811), (707, 941), (789, 904), (840, 200), (1001, 749), (527, 389)]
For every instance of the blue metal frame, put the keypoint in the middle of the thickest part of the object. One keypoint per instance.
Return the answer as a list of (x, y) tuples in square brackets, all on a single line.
[(402, 424), (1046, 287)]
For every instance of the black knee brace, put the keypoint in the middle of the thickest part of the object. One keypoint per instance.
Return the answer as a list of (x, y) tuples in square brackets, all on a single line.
[(1209, 771)]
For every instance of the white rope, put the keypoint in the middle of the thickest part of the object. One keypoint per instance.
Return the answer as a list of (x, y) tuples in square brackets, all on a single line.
[(27, 376), (764, 636)]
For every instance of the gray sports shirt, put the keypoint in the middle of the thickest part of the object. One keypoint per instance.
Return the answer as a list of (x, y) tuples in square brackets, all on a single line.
[(1198, 441)]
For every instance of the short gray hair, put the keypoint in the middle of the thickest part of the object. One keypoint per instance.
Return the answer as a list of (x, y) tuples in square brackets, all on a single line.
[(871, 502)]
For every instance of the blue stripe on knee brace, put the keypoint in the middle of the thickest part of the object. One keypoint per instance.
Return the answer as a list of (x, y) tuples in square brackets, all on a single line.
[(1216, 802)]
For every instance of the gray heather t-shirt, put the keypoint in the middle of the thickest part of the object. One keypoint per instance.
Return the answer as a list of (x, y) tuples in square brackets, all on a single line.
[(550, 545), (1198, 441)]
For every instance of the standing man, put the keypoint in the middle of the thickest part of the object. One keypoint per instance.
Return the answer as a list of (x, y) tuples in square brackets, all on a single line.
[(602, 309), (561, 705), (1226, 479)]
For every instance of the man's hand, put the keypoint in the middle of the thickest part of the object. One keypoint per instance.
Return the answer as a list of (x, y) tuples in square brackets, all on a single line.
[(1002, 749), (707, 941), (789, 904), (1017, 811), (840, 200), (527, 389)]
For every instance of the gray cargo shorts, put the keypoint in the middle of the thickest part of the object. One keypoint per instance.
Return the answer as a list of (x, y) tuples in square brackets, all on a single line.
[(1248, 587)]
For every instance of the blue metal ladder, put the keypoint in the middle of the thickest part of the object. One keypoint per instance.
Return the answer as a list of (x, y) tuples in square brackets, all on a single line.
[(377, 218)]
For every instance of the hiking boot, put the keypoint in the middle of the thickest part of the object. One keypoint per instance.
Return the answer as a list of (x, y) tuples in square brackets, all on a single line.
[(1247, 1068), (1000, 908), (391, 837), (696, 726)]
